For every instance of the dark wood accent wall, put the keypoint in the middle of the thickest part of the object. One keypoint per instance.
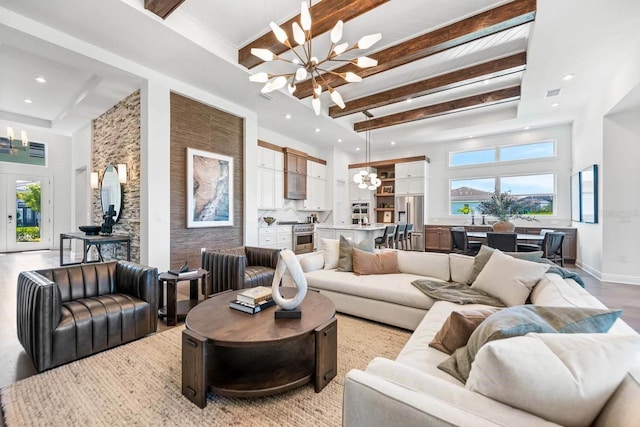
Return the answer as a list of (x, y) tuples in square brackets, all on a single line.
[(200, 126)]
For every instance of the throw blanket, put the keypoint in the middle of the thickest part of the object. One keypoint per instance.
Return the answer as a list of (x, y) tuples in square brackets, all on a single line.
[(459, 293), (562, 272)]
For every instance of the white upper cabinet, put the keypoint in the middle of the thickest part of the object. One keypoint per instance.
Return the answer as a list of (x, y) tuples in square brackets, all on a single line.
[(270, 159), (316, 170), (411, 169)]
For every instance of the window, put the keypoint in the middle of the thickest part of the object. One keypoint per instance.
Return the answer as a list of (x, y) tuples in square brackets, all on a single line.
[(505, 153), (477, 157), (527, 151), (466, 194)]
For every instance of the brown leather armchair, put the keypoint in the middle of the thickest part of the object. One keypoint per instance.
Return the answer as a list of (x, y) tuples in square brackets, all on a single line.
[(67, 313), (241, 267)]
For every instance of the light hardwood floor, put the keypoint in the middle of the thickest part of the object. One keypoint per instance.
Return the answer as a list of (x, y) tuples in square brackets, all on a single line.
[(16, 365)]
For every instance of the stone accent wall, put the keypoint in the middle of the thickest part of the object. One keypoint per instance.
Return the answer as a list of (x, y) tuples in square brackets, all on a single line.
[(116, 139), (200, 126)]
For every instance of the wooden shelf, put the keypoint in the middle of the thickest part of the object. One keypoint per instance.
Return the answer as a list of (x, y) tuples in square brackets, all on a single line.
[(384, 209), (387, 179), (385, 194)]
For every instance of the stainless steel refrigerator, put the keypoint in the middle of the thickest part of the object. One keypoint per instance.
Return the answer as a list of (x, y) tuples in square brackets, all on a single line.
[(411, 210)]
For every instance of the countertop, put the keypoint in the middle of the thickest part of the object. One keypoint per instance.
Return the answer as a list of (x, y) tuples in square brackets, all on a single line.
[(372, 227)]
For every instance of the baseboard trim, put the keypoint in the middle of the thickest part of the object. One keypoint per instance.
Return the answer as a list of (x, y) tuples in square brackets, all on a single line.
[(614, 278)]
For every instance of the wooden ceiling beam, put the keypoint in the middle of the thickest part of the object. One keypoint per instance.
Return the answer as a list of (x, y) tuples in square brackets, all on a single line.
[(493, 21), (324, 16), (162, 8), (491, 69), (448, 107)]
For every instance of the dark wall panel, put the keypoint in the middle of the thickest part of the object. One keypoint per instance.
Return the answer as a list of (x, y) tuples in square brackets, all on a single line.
[(200, 126)]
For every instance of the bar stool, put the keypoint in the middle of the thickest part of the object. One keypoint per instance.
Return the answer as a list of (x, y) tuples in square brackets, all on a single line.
[(398, 238), (407, 237), (387, 238)]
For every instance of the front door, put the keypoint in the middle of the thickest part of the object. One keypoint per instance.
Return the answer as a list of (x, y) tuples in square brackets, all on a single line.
[(26, 213)]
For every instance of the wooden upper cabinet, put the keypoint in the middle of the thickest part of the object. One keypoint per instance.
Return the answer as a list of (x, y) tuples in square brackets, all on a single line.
[(295, 174)]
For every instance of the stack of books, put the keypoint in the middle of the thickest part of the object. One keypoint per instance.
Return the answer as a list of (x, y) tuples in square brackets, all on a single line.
[(189, 274), (253, 300)]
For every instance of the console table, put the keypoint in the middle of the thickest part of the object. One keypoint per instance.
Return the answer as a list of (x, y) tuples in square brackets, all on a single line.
[(97, 241)]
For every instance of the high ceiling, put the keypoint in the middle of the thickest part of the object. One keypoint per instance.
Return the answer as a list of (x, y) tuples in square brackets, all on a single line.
[(474, 78)]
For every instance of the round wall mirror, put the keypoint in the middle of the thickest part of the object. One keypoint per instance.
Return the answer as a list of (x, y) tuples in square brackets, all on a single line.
[(111, 192)]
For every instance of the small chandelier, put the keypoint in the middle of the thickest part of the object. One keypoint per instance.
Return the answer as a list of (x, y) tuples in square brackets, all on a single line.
[(309, 65), (364, 178)]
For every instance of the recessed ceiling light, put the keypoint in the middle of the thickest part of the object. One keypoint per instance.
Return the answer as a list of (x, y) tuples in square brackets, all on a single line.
[(41, 79), (28, 101), (287, 116), (485, 82), (555, 104), (409, 101), (393, 143), (526, 127), (317, 130), (357, 148), (339, 139), (470, 136), (568, 77)]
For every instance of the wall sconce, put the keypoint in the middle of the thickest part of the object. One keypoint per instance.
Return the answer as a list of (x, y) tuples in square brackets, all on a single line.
[(122, 173), (94, 180)]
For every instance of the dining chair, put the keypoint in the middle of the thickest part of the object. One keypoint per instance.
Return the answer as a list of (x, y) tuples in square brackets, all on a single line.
[(506, 242), (407, 237), (552, 247), (461, 244), (387, 237), (532, 247), (398, 237)]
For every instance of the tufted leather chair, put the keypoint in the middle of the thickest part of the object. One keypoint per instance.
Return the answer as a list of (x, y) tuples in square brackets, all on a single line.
[(241, 267), (67, 313)]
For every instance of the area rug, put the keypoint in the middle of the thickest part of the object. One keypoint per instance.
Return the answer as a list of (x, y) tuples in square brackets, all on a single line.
[(139, 384)]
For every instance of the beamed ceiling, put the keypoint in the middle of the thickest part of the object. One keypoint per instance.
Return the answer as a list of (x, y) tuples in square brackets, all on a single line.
[(494, 22)]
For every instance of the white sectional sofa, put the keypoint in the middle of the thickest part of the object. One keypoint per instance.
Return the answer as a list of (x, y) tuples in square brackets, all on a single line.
[(411, 390)]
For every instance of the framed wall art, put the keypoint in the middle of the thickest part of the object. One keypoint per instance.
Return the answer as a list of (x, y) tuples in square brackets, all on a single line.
[(209, 189)]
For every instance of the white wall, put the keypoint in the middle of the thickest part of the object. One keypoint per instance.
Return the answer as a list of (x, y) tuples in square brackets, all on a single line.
[(621, 215)]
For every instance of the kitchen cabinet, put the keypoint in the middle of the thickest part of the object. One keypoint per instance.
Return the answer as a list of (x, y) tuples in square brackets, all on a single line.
[(295, 174), (276, 237), (316, 170), (437, 238), (410, 186), (316, 194), (270, 189), (411, 169)]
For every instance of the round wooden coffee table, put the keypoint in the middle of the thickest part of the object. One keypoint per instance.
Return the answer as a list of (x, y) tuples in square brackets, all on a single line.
[(237, 354)]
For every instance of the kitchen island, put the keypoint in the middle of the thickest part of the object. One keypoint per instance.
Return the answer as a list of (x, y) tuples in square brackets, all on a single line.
[(357, 233)]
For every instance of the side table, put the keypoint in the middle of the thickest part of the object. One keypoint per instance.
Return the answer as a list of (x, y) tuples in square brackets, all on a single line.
[(174, 308)]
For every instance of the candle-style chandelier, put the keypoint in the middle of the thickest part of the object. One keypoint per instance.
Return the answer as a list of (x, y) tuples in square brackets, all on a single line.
[(309, 65)]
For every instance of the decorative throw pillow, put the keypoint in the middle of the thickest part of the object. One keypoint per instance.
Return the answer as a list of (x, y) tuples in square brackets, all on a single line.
[(312, 261), (345, 260), (481, 259), (458, 327), (376, 263), (331, 248), (518, 321), (566, 379), (461, 267), (509, 279)]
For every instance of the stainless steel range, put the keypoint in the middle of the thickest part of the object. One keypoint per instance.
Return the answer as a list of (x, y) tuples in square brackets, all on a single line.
[(303, 238)]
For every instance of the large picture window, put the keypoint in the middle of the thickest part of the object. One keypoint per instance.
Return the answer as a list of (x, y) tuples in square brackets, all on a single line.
[(466, 194)]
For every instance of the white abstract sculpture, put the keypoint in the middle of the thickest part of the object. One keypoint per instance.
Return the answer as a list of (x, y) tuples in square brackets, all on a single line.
[(288, 260)]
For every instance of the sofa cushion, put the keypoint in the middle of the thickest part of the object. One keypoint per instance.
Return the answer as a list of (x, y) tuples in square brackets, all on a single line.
[(520, 320), (485, 253), (430, 264), (311, 261), (331, 251), (461, 267), (509, 279), (345, 259), (393, 288), (458, 327), (379, 263), (585, 370)]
